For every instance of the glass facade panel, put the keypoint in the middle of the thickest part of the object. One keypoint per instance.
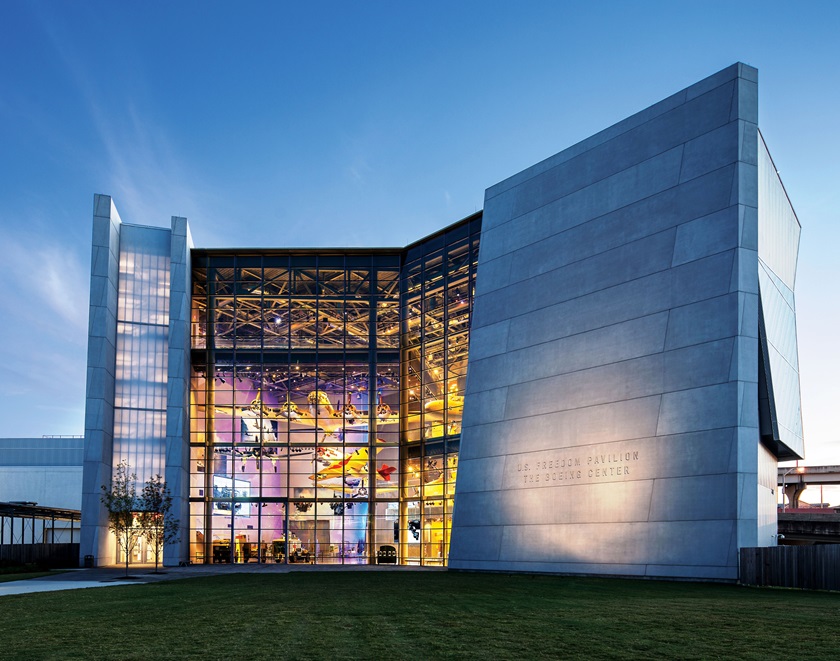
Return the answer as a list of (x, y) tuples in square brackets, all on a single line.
[(778, 245), (436, 303), (300, 409)]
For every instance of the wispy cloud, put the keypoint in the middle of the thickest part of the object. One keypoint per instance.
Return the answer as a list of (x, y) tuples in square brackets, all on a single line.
[(45, 304), (49, 282), (359, 169), (136, 163)]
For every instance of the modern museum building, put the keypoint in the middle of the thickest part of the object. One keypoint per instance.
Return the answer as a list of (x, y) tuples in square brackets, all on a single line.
[(595, 374)]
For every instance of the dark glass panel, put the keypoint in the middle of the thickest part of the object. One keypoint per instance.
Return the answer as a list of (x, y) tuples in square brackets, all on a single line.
[(276, 281), (303, 323), (358, 284), (199, 280), (330, 325), (276, 323), (249, 322), (331, 282), (223, 322), (459, 232), (387, 284), (303, 282)]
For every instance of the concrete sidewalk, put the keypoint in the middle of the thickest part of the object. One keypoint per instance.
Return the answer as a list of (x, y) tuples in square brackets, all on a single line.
[(99, 577), (102, 577)]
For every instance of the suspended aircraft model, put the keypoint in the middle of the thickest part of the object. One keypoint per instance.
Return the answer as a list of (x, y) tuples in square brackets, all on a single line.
[(257, 427), (321, 413), (259, 432)]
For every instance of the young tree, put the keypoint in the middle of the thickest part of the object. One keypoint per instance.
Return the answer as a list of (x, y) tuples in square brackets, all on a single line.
[(159, 525), (121, 502)]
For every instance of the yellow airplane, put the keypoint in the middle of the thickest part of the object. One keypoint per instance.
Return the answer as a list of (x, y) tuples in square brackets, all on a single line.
[(452, 401), (350, 472), (354, 464)]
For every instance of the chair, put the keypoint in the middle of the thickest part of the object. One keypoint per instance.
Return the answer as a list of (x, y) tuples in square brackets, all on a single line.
[(386, 554)]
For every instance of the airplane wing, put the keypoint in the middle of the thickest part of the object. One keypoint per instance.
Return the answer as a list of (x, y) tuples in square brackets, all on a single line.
[(353, 464)]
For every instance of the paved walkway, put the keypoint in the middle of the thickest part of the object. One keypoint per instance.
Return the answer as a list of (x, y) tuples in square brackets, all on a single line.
[(102, 577)]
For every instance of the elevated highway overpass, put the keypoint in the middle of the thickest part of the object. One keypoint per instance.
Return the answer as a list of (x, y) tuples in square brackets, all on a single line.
[(795, 479)]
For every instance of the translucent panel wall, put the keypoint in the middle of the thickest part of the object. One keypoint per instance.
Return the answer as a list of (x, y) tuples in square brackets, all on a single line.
[(142, 348), (778, 248)]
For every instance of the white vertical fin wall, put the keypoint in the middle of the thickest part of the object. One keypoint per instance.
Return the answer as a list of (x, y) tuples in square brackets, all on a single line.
[(178, 388), (101, 370)]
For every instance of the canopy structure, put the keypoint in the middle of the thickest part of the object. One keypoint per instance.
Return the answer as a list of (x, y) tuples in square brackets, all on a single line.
[(19, 524)]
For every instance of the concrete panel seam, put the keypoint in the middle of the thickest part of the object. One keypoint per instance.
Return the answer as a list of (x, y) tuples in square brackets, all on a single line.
[(667, 329), (595, 523), (682, 162), (601, 217), (652, 480), (579, 261), (528, 379), (615, 137), (621, 284), (659, 414), (650, 498), (585, 332), (515, 526), (628, 399), (567, 447), (619, 362), (733, 100), (603, 179), (590, 563), (612, 211)]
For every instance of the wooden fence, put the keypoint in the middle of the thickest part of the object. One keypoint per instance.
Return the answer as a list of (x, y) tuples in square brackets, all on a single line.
[(47, 555), (814, 567)]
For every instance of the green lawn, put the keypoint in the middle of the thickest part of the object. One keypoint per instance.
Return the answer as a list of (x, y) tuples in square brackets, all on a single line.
[(418, 615)]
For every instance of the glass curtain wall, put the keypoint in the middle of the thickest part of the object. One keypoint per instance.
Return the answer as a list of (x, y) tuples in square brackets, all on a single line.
[(326, 401), (295, 404), (141, 357), (437, 294)]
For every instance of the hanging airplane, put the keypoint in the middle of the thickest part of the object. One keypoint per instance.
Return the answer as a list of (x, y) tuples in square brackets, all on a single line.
[(321, 414), (258, 421), (350, 472)]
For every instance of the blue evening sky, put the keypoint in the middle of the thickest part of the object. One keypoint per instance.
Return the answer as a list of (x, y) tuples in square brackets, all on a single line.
[(360, 123)]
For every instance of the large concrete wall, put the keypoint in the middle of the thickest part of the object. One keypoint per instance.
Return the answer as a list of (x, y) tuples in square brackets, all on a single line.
[(611, 413), (101, 375)]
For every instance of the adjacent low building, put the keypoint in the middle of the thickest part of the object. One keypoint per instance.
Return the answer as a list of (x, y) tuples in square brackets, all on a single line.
[(44, 471), (40, 496), (595, 374)]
